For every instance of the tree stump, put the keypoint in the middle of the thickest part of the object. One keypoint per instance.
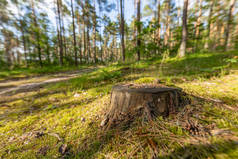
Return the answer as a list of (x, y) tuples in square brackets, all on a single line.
[(130, 101)]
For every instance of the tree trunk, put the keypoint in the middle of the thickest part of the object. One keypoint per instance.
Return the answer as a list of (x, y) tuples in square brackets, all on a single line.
[(209, 25), (179, 13), (199, 18), (105, 47), (64, 43), (197, 34), (80, 49), (7, 44), (80, 38), (84, 40), (18, 57), (88, 43), (60, 34), (112, 48), (122, 31), (94, 32), (36, 33), (28, 46), (138, 30), (57, 29), (130, 101), (182, 49), (167, 25), (101, 47), (58, 41), (229, 22), (154, 21), (74, 36), (158, 21), (100, 30), (24, 44), (23, 33), (48, 50)]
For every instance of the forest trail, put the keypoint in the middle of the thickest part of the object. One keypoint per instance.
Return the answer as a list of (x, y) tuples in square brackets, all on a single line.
[(8, 88)]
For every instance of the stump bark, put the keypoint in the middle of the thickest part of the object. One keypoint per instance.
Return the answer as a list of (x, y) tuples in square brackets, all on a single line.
[(129, 101)]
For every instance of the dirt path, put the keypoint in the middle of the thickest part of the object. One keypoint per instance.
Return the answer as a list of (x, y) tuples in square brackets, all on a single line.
[(35, 83)]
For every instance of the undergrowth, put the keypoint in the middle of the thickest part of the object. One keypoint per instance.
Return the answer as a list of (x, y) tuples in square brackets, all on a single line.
[(63, 120)]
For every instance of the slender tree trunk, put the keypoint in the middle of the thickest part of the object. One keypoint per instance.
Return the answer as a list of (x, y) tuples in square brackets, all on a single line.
[(23, 34), (80, 49), (138, 30), (13, 57), (18, 57), (197, 34), (229, 22), (48, 51), (113, 48), (209, 25), (24, 44), (94, 32), (60, 33), (105, 47), (122, 31), (182, 49), (154, 20), (87, 12), (167, 25), (100, 30), (199, 19), (84, 40), (134, 25), (36, 33), (221, 34), (101, 47), (64, 43), (179, 13), (58, 42), (79, 37), (74, 35), (84, 28), (7, 52), (57, 29), (88, 43), (158, 21)]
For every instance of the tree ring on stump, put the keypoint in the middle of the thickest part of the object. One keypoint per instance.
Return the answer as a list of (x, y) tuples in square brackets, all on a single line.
[(130, 101)]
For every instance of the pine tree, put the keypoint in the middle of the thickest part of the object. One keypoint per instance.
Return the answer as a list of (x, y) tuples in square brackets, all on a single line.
[(182, 49)]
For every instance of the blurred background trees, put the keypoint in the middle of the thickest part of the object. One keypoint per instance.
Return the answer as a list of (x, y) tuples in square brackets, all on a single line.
[(72, 32)]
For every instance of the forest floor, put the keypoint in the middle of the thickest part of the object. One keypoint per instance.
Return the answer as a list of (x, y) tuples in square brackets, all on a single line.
[(61, 118), (27, 84)]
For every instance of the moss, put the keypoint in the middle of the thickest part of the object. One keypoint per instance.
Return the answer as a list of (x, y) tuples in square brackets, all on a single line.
[(56, 110), (145, 80)]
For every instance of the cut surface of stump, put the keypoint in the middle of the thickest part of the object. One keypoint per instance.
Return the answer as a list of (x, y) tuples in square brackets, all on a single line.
[(131, 101)]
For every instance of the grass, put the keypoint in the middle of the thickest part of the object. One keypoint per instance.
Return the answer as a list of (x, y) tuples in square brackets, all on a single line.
[(40, 123)]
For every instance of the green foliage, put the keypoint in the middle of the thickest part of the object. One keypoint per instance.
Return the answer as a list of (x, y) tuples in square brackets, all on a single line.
[(233, 60), (105, 75)]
